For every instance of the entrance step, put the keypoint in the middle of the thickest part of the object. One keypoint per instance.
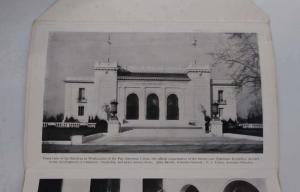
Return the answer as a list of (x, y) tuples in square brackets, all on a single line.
[(163, 133), (160, 128)]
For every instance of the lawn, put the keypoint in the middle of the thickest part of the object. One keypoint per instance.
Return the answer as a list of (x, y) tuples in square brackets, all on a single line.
[(64, 134), (205, 148), (242, 131)]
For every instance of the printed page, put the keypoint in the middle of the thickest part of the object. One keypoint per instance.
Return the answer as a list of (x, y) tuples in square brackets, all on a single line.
[(114, 95), (168, 99)]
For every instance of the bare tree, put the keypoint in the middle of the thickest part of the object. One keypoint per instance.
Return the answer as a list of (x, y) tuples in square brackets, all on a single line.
[(240, 53), (255, 114)]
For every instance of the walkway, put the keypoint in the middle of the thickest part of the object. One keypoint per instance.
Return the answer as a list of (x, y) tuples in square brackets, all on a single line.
[(163, 141)]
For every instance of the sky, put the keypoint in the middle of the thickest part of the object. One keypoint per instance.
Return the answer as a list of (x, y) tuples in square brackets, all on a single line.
[(73, 54)]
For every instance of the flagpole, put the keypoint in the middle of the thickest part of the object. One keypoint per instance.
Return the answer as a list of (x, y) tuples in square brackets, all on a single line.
[(195, 43), (109, 47)]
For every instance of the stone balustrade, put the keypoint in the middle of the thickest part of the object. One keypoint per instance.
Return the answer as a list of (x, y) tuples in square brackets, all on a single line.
[(68, 124), (251, 125)]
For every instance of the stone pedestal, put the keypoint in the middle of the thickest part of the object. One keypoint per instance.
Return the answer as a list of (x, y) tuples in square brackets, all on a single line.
[(113, 127), (199, 123), (217, 128), (76, 139)]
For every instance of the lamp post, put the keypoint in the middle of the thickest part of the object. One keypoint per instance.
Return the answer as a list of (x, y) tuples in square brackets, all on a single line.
[(114, 109), (114, 124), (215, 110)]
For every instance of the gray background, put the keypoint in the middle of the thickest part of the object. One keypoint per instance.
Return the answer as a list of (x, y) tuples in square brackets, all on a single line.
[(16, 17)]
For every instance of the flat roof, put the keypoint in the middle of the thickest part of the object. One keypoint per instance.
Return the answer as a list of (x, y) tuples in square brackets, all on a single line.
[(79, 80), (153, 76), (223, 82)]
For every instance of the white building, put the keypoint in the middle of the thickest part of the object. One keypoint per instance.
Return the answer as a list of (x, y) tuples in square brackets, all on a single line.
[(150, 99)]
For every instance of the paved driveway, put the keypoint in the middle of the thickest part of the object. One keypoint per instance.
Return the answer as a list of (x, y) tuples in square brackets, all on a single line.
[(161, 141)]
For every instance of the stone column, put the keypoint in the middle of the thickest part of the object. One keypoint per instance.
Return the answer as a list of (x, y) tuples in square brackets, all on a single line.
[(162, 104), (122, 104), (113, 127), (142, 104), (181, 106)]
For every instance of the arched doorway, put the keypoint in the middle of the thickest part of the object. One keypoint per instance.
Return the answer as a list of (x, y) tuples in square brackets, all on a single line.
[(132, 106), (189, 188), (152, 107), (240, 186), (172, 107)]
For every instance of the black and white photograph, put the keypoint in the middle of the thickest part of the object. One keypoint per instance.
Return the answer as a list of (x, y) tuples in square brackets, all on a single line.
[(152, 92), (152, 185)]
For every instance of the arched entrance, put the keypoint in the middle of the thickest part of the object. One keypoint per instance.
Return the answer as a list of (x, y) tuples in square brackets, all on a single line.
[(189, 188), (132, 106), (172, 107), (152, 107), (240, 186)]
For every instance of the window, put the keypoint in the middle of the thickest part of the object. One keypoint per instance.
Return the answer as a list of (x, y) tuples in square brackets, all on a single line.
[(221, 111), (80, 110), (132, 106), (81, 94), (152, 107), (220, 96), (172, 107)]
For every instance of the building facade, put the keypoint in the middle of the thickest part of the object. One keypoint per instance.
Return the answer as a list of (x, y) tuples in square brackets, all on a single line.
[(150, 99)]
